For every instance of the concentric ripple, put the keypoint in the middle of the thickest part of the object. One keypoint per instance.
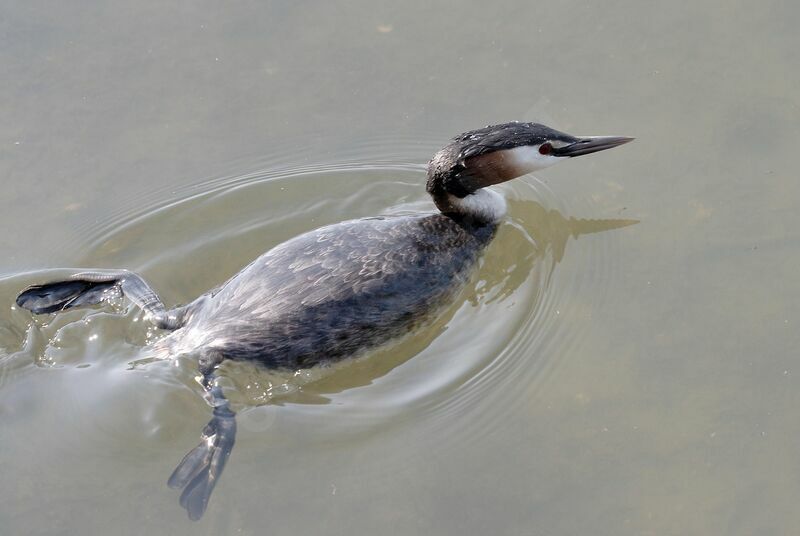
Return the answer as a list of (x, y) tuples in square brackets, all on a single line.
[(504, 333)]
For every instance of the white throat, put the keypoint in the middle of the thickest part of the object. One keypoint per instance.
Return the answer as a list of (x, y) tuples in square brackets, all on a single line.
[(485, 204)]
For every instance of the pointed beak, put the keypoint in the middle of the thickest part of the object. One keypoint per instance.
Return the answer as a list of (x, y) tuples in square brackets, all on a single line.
[(590, 144)]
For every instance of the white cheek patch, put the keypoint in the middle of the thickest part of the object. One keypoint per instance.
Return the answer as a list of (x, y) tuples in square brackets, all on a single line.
[(528, 158)]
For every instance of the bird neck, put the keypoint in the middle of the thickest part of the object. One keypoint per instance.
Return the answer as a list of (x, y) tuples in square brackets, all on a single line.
[(483, 206)]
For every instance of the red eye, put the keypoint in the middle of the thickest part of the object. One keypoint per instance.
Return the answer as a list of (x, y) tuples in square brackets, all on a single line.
[(545, 148)]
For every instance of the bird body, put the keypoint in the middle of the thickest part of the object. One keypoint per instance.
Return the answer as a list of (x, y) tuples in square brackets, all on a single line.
[(337, 291)]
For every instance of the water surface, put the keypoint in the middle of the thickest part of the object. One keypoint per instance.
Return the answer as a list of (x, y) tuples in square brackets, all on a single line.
[(595, 377)]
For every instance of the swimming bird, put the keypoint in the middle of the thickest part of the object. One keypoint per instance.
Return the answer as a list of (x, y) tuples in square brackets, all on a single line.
[(336, 291)]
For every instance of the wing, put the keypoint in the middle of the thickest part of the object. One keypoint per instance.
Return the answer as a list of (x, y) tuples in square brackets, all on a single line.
[(339, 289)]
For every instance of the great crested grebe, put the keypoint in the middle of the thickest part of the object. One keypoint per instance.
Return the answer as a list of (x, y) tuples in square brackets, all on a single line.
[(336, 291)]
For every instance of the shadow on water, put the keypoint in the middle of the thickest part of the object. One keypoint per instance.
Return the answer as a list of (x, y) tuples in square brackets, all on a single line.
[(526, 250)]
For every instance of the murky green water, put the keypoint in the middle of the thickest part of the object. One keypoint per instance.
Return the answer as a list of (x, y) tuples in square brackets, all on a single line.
[(595, 378)]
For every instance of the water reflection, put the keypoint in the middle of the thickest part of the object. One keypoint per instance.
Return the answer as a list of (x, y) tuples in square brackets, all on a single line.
[(517, 268)]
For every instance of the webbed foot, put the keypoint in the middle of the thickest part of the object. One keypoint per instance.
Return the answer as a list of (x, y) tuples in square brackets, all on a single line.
[(200, 469), (53, 297)]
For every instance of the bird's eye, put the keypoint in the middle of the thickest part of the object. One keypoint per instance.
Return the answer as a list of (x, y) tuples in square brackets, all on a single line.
[(545, 148)]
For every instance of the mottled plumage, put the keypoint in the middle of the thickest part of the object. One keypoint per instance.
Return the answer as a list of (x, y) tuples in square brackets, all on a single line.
[(335, 291)]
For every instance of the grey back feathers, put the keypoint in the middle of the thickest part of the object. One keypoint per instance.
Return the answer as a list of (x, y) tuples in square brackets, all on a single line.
[(337, 290)]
